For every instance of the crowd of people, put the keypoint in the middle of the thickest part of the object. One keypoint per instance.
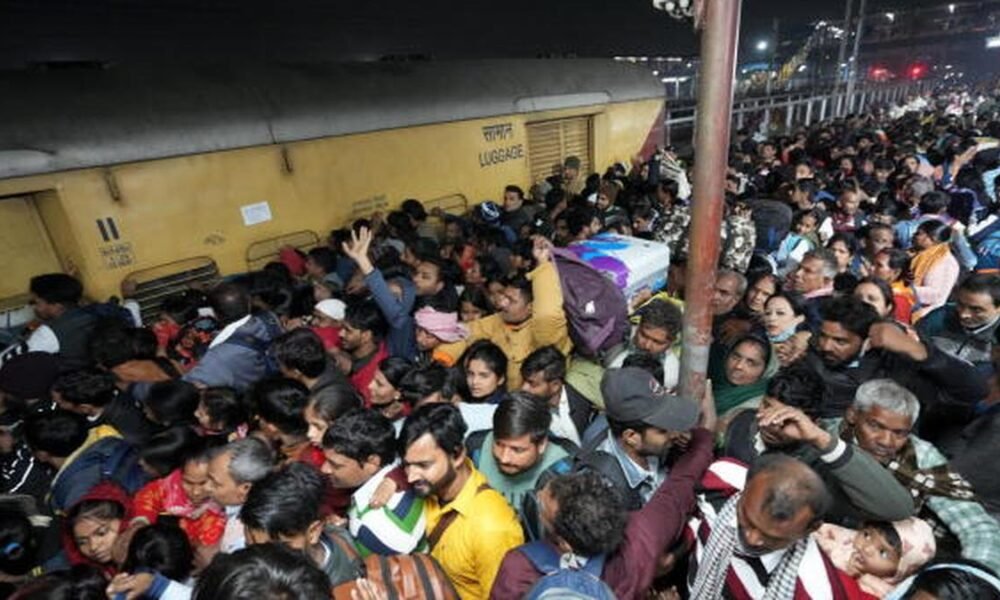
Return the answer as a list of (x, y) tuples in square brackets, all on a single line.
[(408, 411)]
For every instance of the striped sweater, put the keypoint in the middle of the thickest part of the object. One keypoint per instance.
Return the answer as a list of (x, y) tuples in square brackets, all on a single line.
[(747, 577), (396, 528)]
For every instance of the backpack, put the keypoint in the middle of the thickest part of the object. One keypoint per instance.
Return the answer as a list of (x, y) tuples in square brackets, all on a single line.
[(596, 309), (556, 582), (403, 577)]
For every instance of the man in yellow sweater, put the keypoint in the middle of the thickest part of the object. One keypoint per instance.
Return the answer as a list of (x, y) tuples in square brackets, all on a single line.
[(470, 526), (530, 316)]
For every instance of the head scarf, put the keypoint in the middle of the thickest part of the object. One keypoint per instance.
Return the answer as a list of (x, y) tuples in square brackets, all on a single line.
[(923, 262), (444, 326), (729, 396), (105, 490)]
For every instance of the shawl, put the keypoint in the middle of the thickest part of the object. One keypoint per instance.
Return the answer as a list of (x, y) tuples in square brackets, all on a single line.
[(923, 262), (710, 581), (923, 483), (729, 396)]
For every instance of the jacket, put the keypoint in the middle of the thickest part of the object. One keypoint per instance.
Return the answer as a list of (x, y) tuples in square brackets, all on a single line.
[(581, 411), (236, 358), (631, 567), (942, 327), (73, 330), (948, 388), (104, 455), (398, 313), (861, 488), (546, 326)]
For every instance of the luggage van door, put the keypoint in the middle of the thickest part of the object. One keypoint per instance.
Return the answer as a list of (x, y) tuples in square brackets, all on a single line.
[(25, 251)]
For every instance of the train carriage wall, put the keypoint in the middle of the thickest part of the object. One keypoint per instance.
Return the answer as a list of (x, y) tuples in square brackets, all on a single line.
[(124, 171)]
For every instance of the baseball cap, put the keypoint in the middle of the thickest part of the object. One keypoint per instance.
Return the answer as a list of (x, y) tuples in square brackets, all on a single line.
[(633, 395), (332, 308)]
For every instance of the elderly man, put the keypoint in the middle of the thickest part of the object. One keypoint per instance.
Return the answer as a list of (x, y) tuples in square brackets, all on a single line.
[(232, 471), (814, 280), (881, 422), (756, 543), (727, 322)]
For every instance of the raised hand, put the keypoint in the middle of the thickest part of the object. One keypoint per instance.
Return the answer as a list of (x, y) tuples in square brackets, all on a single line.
[(357, 249)]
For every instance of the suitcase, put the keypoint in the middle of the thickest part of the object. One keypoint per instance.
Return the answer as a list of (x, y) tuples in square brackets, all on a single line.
[(633, 264)]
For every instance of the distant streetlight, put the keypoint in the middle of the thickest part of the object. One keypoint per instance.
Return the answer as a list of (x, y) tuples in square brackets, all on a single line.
[(891, 17), (762, 45), (951, 8)]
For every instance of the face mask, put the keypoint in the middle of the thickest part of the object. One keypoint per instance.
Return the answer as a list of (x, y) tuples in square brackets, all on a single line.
[(164, 332), (784, 336)]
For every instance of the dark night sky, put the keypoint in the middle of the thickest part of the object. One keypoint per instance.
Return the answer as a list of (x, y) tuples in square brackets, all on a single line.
[(307, 30)]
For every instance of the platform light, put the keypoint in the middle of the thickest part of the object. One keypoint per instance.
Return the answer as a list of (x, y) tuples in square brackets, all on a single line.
[(951, 8), (891, 16), (993, 42), (761, 45)]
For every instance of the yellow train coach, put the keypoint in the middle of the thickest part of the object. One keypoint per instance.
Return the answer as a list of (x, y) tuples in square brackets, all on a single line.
[(162, 178)]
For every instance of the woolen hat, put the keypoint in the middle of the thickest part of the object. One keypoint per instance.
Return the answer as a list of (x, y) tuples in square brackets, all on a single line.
[(633, 395)]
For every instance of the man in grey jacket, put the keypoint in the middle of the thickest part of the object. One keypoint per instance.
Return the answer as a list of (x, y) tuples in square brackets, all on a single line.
[(237, 357)]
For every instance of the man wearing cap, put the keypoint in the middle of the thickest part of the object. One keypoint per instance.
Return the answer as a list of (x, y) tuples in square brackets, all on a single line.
[(327, 317), (644, 423), (573, 180)]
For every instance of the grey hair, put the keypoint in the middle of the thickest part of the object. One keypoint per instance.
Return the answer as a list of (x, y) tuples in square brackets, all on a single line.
[(741, 280), (250, 459), (887, 395), (828, 259)]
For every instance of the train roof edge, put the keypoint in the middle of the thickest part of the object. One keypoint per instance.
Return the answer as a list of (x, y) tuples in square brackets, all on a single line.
[(62, 120)]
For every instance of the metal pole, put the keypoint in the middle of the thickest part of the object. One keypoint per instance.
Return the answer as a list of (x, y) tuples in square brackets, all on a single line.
[(842, 52), (770, 62), (719, 40), (852, 72)]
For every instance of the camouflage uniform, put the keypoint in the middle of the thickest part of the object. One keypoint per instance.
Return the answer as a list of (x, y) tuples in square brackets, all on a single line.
[(737, 233)]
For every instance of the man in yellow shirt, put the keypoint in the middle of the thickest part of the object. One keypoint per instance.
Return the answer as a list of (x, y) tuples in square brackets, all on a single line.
[(470, 526), (530, 315)]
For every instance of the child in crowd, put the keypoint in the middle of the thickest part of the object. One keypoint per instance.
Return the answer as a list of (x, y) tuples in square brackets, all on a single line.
[(485, 366), (222, 413), (879, 555), (800, 240)]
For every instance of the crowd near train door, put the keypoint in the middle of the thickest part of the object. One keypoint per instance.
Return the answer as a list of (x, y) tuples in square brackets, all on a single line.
[(25, 248)]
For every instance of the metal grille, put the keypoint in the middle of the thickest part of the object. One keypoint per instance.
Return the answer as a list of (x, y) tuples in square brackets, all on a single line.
[(550, 142), (265, 251), (150, 286)]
